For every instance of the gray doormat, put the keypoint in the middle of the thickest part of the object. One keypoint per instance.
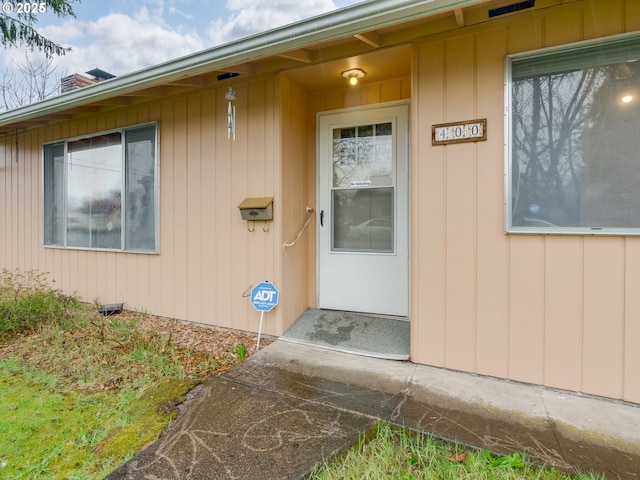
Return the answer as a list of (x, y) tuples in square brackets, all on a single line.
[(379, 337)]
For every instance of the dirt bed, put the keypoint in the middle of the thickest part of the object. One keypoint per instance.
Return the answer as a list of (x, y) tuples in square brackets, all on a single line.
[(194, 341)]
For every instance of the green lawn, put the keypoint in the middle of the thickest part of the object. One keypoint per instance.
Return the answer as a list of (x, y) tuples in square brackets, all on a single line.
[(50, 429), (399, 454)]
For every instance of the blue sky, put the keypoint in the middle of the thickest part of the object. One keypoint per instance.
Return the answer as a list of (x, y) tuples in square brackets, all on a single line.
[(121, 36)]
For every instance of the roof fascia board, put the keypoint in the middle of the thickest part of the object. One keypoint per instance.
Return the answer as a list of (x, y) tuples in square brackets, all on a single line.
[(338, 24)]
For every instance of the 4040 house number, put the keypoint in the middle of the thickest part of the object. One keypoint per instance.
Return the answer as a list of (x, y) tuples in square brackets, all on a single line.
[(459, 132)]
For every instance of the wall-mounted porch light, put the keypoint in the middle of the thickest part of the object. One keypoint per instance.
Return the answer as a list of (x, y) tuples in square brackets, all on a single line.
[(353, 75)]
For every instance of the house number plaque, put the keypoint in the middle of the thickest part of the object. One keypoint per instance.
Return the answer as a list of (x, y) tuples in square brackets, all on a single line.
[(458, 132)]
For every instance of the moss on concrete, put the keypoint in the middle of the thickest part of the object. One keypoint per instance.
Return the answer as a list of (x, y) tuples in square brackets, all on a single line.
[(147, 417)]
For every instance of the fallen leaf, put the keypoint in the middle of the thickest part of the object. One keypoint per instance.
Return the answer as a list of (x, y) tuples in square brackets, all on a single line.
[(145, 446), (458, 457)]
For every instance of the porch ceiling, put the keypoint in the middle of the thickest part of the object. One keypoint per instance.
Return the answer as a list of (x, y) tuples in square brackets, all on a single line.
[(382, 64)]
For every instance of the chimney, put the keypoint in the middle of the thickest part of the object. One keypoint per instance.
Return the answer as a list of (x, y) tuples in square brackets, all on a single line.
[(100, 75), (75, 81)]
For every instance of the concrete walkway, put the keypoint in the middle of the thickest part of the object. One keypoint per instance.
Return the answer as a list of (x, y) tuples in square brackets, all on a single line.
[(290, 406)]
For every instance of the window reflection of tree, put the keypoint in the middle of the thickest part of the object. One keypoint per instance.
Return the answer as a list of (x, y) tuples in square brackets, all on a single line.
[(575, 149), (357, 149)]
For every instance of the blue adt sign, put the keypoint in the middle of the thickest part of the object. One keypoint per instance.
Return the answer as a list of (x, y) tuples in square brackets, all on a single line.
[(264, 296)]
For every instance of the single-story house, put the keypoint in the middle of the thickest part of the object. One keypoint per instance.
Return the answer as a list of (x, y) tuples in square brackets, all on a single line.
[(471, 165)]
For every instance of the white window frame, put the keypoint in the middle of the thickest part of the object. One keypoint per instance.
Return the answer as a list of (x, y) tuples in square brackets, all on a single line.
[(508, 81), (156, 190)]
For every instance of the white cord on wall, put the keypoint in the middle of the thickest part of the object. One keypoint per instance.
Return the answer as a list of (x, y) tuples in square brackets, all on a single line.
[(310, 212)]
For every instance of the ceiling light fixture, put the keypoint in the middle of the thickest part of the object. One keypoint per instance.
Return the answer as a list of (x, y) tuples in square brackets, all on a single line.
[(353, 75)]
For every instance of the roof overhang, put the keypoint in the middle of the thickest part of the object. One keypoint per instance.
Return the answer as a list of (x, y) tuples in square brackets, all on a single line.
[(352, 21)]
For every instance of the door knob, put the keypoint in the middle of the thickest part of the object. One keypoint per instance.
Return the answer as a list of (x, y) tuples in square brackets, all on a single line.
[(322, 218)]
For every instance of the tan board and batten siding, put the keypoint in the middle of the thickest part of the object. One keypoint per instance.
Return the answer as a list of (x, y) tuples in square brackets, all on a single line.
[(561, 311), (207, 257)]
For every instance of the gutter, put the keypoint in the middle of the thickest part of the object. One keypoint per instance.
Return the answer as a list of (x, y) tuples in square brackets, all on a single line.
[(348, 21)]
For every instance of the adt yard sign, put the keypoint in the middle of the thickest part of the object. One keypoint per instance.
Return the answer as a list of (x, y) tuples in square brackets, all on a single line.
[(264, 296)]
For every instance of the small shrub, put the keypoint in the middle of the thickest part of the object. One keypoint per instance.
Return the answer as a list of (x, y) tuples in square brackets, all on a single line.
[(27, 300), (241, 351)]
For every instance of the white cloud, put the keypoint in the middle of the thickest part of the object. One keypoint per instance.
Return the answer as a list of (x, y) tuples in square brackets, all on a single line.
[(181, 13), (249, 17), (64, 34), (120, 43), (162, 30)]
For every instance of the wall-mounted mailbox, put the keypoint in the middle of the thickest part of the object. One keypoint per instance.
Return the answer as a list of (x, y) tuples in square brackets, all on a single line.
[(260, 208)]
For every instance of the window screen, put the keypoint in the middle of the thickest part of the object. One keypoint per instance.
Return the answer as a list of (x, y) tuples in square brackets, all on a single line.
[(574, 162)]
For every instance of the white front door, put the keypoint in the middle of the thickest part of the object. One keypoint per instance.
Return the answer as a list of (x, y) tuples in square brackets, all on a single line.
[(363, 196)]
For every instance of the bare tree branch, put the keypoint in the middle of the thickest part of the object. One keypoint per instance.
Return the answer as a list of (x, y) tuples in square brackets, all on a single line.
[(30, 81)]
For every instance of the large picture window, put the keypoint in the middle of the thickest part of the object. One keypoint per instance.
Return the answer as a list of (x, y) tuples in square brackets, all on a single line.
[(574, 140), (100, 192)]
